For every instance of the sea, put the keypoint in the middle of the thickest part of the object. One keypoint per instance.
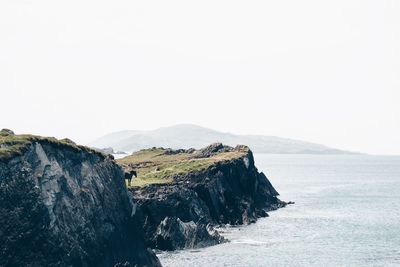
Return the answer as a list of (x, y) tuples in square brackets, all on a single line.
[(346, 213)]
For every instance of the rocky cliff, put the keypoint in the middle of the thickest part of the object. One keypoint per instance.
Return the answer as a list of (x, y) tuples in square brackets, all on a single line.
[(182, 194), (65, 205)]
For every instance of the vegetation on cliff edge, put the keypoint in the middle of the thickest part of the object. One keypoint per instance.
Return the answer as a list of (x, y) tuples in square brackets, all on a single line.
[(12, 145), (160, 166)]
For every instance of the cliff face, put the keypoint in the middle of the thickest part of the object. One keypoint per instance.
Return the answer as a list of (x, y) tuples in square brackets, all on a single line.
[(227, 190), (174, 217), (63, 205)]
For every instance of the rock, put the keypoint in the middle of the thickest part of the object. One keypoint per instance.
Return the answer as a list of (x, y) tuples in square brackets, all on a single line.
[(190, 150), (64, 205), (158, 202), (170, 151), (174, 234), (6, 132), (236, 192), (262, 213), (212, 150)]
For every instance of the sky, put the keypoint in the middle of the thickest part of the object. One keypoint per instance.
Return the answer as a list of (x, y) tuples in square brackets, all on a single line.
[(320, 71)]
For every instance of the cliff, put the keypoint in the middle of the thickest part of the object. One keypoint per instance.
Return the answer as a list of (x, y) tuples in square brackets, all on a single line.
[(182, 194), (65, 205)]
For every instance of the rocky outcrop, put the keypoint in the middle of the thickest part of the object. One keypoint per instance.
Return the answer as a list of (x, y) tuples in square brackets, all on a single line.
[(173, 234), (211, 150), (229, 191), (6, 132), (174, 217), (65, 205)]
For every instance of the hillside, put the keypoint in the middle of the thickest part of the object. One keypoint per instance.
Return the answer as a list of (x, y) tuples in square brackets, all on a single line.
[(192, 136)]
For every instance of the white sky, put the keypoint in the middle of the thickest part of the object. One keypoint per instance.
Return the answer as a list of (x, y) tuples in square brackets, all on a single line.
[(322, 71)]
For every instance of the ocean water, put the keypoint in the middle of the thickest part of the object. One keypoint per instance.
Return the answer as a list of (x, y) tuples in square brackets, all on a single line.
[(347, 213)]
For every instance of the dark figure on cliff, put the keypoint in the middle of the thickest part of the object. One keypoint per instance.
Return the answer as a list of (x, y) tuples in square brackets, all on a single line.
[(128, 176)]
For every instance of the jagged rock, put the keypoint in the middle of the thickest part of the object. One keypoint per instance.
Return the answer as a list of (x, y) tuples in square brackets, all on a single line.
[(212, 150), (235, 193), (65, 205), (173, 234), (157, 203), (191, 150)]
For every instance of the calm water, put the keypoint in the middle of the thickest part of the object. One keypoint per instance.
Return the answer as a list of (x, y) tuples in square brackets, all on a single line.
[(347, 213)]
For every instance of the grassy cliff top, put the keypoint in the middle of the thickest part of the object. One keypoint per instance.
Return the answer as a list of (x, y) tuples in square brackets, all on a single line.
[(12, 145), (159, 165)]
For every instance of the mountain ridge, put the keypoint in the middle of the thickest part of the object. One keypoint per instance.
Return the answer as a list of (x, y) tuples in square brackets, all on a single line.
[(194, 136)]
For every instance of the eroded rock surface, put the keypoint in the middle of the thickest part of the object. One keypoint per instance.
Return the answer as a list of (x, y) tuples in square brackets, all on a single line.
[(172, 233), (61, 205)]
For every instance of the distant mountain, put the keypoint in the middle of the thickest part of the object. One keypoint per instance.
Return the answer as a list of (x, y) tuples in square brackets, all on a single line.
[(193, 136)]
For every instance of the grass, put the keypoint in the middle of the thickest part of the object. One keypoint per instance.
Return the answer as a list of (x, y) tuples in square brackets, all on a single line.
[(156, 166), (13, 145)]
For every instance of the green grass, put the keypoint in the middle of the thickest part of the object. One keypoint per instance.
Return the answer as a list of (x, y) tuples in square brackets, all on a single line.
[(11, 145), (154, 166), (14, 145)]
